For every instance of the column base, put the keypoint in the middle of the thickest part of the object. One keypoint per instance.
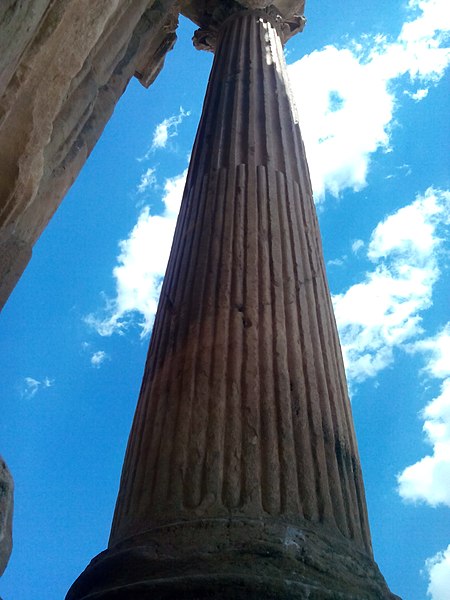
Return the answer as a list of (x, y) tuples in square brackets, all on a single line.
[(235, 558)]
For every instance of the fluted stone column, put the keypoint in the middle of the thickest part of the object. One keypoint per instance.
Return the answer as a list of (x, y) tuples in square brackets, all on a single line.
[(242, 477)]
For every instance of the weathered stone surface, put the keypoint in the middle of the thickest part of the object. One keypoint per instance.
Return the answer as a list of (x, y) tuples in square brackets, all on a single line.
[(15, 254), (244, 406), (233, 558), (6, 514), (242, 477), (64, 65)]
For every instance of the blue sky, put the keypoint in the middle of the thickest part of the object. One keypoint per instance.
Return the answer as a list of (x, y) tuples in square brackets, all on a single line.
[(371, 84)]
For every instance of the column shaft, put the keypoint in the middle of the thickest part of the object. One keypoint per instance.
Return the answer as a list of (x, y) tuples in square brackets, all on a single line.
[(244, 406)]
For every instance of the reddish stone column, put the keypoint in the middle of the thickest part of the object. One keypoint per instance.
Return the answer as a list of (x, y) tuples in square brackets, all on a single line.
[(242, 477)]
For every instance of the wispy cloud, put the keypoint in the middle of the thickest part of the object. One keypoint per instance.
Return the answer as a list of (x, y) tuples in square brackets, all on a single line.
[(357, 245), (347, 111), (32, 386), (168, 128), (337, 262), (438, 568), (98, 358), (383, 311), (148, 179), (141, 265), (417, 96)]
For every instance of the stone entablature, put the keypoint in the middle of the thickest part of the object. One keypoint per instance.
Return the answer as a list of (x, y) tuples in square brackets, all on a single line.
[(63, 67)]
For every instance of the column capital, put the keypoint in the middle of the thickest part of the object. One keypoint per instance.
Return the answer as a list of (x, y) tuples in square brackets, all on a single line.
[(211, 14)]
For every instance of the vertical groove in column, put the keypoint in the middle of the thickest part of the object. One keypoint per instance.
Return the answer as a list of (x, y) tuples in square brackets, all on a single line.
[(268, 419), (251, 367), (291, 320), (223, 331), (296, 356), (192, 346), (290, 470), (244, 409), (233, 426)]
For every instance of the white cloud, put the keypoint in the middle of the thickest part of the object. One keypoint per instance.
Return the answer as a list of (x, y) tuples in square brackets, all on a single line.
[(32, 386), (98, 358), (383, 311), (419, 95), (438, 568), (357, 245), (147, 180), (141, 266), (428, 29), (437, 348), (167, 129), (337, 262), (347, 111), (411, 231), (428, 480)]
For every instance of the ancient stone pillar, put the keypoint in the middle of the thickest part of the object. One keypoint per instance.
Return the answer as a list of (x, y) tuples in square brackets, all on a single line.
[(242, 477)]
